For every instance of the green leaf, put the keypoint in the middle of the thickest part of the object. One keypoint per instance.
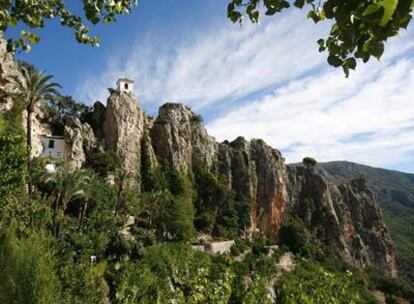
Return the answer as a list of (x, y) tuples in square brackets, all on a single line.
[(299, 3), (372, 8), (389, 9), (374, 47), (335, 61)]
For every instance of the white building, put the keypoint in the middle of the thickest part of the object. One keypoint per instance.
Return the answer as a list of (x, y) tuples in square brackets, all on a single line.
[(125, 85), (54, 147)]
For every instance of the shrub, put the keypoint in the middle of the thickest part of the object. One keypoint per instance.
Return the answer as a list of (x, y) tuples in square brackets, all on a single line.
[(103, 162), (196, 118), (27, 267), (293, 235), (311, 283), (309, 162), (13, 166), (390, 286), (173, 273)]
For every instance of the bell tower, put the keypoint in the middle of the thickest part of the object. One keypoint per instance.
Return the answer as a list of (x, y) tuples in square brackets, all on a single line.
[(125, 85)]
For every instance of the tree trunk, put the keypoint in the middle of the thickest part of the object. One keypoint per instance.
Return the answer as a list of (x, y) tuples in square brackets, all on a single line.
[(29, 146), (118, 201), (83, 214), (55, 212)]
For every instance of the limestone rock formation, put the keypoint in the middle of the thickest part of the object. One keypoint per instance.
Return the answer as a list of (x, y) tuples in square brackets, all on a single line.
[(8, 68), (258, 176), (80, 139), (345, 216), (178, 137), (123, 129)]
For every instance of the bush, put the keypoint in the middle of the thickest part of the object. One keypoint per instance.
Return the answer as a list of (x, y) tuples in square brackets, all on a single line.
[(196, 118), (13, 164), (172, 273), (27, 267), (390, 286), (309, 162), (215, 207), (293, 235), (311, 283), (103, 162)]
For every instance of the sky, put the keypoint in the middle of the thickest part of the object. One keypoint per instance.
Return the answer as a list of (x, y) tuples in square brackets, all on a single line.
[(258, 81)]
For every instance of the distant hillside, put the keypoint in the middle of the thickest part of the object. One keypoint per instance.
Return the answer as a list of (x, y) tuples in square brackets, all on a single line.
[(395, 191)]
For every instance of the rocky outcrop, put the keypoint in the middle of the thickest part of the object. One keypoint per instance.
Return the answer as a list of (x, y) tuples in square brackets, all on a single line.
[(8, 68), (81, 141), (345, 216), (123, 129), (178, 137), (257, 175)]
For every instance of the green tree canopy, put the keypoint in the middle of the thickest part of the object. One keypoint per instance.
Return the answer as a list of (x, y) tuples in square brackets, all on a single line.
[(309, 162), (33, 14), (359, 29)]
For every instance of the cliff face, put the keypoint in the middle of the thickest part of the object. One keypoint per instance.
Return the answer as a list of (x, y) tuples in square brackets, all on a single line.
[(344, 215), (81, 139), (257, 174), (9, 68), (395, 193), (123, 129), (178, 137)]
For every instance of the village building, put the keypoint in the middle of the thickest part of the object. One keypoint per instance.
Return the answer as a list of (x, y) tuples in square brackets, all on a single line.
[(54, 147)]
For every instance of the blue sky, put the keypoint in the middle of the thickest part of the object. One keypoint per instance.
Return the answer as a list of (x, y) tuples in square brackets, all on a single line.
[(259, 81)]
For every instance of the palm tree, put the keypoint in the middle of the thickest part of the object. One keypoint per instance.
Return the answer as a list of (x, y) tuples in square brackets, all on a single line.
[(68, 185), (121, 177), (91, 184), (33, 87)]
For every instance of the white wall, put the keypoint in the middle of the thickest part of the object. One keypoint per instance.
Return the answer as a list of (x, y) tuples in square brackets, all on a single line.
[(121, 87), (58, 151)]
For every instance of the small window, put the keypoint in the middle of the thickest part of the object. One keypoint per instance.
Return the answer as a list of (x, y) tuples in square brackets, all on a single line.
[(126, 86), (51, 144)]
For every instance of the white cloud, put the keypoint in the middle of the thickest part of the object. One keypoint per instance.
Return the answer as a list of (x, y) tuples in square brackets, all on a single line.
[(225, 62), (368, 118), (270, 82)]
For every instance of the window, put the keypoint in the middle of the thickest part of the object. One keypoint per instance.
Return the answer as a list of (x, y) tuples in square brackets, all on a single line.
[(126, 86), (51, 144)]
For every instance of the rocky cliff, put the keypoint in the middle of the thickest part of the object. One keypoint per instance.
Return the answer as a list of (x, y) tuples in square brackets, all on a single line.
[(81, 140), (395, 193), (123, 129), (344, 215), (9, 68)]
